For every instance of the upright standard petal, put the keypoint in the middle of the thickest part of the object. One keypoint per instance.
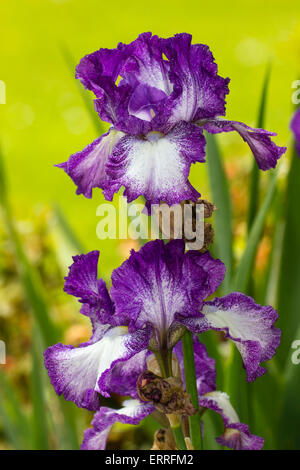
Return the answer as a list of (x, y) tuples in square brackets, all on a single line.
[(162, 82), (156, 166), (266, 153), (248, 325), (79, 373), (99, 72), (199, 92), (87, 168), (132, 102), (145, 64), (148, 74), (237, 435), (214, 268), (100, 69), (295, 128), (158, 284), (132, 412), (82, 282)]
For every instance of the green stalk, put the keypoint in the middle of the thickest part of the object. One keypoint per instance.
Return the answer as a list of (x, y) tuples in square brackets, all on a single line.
[(223, 216), (191, 388), (179, 438), (164, 359), (255, 174)]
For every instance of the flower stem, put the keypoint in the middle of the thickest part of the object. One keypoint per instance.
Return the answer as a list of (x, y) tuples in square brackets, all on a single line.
[(191, 388), (177, 431), (178, 434), (164, 359)]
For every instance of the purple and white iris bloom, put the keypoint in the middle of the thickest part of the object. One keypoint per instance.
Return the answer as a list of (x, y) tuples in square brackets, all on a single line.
[(236, 434), (154, 293), (158, 95), (98, 365)]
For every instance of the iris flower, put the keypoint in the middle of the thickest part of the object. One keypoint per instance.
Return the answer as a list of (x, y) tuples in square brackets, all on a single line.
[(156, 294), (236, 434), (158, 96)]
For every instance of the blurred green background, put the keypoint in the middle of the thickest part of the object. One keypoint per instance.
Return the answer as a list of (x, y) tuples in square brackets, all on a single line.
[(45, 119)]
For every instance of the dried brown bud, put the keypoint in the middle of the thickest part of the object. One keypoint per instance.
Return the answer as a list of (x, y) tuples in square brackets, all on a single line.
[(166, 394), (185, 220), (164, 440), (208, 237), (209, 207)]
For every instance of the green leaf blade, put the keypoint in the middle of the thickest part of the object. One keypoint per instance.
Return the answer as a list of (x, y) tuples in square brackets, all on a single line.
[(223, 216)]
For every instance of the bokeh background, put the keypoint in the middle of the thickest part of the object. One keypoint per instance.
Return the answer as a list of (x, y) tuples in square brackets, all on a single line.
[(47, 117)]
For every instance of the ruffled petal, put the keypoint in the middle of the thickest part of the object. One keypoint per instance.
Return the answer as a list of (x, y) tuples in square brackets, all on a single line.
[(158, 284), (78, 373), (100, 69), (214, 268), (204, 366), (266, 153), (99, 72), (82, 282), (113, 107), (123, 377), (130, 104), (157, 166), (132, 412), (87, 168), (73, 371), (199, 92), (162, 82), (237, 435), (121, 362), (295, 127), (248, 325), (146, 66)]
